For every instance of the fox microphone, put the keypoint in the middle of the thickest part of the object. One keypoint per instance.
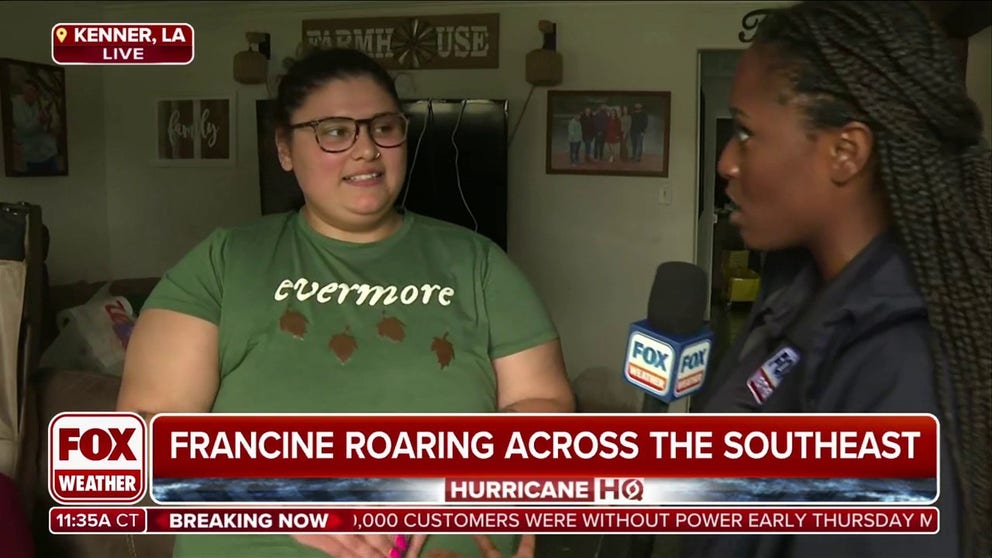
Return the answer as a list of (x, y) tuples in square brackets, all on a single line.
[(667, 353)]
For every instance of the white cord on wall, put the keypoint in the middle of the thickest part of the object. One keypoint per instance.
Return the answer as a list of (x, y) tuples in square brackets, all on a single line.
[(413, 164), (458, 178), (428, 120)]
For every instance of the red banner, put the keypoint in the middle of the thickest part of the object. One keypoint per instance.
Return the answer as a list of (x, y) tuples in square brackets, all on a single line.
[(120, 43), (96, 486), (519, 445), (495, 520)]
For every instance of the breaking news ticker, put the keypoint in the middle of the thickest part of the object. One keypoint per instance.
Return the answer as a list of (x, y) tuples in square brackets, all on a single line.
[(163, 520), (669, 473)]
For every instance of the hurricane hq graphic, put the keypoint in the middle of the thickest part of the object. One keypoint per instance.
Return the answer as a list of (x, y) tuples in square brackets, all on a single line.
[(655, 491)]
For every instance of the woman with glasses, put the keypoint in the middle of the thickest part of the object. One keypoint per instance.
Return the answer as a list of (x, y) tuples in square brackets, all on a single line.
[(346, 306)]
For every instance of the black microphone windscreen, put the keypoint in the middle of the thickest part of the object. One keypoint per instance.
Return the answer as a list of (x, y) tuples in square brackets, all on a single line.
[(677, 304)]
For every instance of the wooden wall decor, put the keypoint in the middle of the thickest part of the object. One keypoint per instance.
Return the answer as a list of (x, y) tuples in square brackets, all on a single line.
[(195, 131), (414, 43), (749, 24)]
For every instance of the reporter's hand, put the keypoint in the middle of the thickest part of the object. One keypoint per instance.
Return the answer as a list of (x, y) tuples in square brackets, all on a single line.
[(486, 548), (351, 546)]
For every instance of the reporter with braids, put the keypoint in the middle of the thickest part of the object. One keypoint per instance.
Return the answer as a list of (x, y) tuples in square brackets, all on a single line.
[(858, 165)]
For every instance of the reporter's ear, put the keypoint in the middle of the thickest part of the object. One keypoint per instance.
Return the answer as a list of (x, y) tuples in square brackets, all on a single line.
[(851, 150)]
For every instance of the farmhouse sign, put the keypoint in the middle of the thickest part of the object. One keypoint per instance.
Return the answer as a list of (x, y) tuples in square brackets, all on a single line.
[(422, 42)]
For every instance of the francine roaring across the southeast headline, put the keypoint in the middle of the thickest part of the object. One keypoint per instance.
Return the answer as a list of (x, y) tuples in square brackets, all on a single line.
[(443, 444), (382, 445)]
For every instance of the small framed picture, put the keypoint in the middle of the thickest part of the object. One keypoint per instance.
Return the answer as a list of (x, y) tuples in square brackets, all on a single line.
[(195, 131), (32, 104), (620, 133)]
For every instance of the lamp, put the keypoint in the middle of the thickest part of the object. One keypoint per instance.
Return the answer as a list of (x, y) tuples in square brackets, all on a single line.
[(251, 66)]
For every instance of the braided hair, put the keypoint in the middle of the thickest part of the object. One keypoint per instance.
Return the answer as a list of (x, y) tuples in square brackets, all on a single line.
[(888, 65)]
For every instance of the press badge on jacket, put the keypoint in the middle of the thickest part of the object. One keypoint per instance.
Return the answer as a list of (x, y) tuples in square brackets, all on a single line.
[(765, 379)]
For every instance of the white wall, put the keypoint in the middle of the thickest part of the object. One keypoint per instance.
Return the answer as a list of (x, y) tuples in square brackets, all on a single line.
[(590, 244), (74, 206), (979, 74)]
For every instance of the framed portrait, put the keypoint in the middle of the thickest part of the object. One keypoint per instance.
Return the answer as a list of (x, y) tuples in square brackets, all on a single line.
[(195, 131), (32, 105), (620, 133)]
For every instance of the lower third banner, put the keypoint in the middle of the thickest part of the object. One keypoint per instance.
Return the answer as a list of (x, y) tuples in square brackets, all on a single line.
[(794, 520)]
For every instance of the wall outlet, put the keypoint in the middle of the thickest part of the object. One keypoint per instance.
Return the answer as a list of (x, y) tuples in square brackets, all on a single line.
[(665, 194)]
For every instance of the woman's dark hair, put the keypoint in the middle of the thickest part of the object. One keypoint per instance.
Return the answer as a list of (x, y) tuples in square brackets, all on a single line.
[(888, 65), (316, 68)]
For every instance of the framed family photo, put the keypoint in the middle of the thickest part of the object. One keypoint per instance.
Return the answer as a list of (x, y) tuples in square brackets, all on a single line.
[(32, 107), (620, 133)]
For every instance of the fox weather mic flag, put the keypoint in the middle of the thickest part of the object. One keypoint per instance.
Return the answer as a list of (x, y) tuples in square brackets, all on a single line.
[(667, 353)]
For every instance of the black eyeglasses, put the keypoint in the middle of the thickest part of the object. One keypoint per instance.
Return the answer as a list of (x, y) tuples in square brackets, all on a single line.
[(337, 133)]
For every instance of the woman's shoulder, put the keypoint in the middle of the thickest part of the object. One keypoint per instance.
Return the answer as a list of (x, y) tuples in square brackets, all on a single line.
[(252, 232), (265, 225), (450, 234)]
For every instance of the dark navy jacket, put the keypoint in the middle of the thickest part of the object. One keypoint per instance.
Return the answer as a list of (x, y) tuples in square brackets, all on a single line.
[(864, 347)]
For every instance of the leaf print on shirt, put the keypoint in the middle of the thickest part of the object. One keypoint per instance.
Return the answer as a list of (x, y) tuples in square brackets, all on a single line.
[(392, 328), (294, 323), (343, 344), (443, 349)]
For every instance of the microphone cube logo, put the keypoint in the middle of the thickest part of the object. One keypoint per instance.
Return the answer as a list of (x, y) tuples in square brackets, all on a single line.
[(649, 362), (692, 367), (96, 458), (667, 366)]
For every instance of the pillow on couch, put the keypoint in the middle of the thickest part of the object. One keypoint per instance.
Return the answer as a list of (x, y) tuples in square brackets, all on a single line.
[(92, 336), (66, 296)]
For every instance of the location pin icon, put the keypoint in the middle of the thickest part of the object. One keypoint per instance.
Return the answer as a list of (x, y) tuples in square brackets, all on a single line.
[(60, 33)]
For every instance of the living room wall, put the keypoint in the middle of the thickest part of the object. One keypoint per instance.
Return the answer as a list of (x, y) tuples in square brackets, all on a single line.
[(590, 244), (74, 206)]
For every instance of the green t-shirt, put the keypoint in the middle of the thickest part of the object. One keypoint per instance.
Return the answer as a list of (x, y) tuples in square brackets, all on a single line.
[(309, 324)]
